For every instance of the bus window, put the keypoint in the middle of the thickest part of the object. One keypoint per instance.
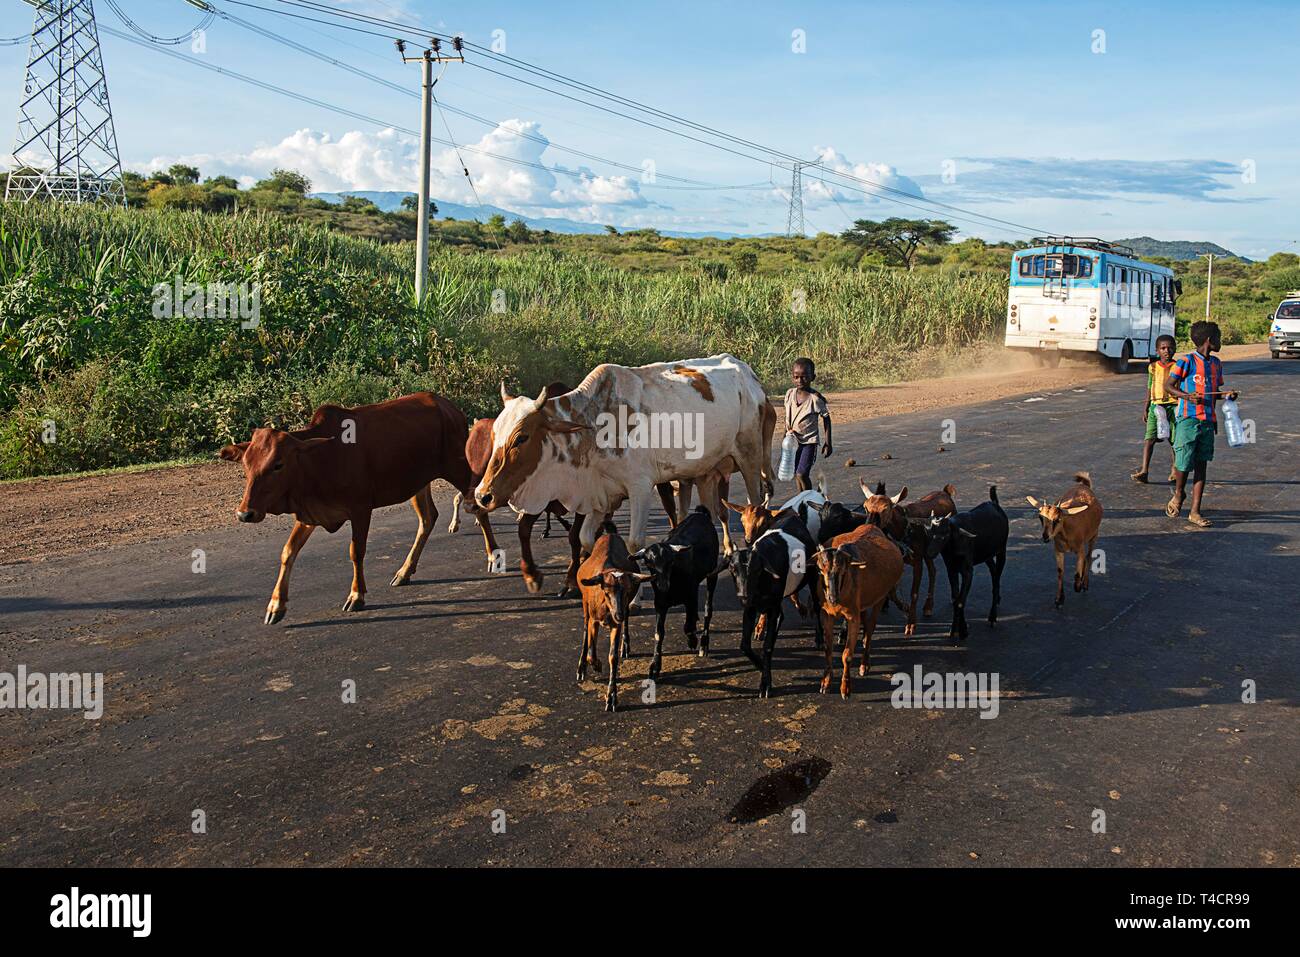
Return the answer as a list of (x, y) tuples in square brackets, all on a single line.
[(1056, 266)]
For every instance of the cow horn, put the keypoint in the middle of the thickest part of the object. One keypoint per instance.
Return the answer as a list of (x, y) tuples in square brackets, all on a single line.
[(505, 396), (541, 400)]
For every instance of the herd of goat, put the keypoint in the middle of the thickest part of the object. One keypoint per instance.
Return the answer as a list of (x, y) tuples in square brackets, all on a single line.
[(846, 561)]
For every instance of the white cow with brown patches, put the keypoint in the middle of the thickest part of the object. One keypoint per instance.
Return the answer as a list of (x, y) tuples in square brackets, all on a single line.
[(699, 419)]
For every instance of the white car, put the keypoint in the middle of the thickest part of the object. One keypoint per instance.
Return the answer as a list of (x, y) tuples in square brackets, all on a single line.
[(1284, 328)]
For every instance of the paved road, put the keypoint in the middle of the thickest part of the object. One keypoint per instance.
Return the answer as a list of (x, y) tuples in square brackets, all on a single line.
[(1128, 701)]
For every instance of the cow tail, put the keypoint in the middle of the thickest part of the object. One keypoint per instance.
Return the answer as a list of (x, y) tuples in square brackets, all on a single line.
[(993, 495)]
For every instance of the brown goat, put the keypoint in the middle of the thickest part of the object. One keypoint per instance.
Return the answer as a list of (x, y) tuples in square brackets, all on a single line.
[(889, 514), (609, 580), (858, 571), (1071, 526)]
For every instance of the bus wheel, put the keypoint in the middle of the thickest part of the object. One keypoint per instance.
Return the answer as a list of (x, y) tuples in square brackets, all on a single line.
[(1049, 358), (1125, 356), (1276, 354)]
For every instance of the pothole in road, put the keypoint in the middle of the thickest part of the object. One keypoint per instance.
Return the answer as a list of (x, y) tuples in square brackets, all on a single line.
[(779, 790)]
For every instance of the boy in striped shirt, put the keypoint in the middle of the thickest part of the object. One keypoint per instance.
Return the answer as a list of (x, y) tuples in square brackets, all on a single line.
[(1158, 372), (1197, 380)]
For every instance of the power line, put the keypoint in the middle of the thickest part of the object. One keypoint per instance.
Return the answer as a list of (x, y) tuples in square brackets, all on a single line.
[(544, 141), (542, 72), (131, 25)]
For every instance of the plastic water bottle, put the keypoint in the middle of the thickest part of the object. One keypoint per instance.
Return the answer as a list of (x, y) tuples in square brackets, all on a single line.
[(1232, 424), (789, 446), (1162, 422)]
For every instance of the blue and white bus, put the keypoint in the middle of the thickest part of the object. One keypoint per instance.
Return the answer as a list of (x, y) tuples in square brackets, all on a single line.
[(1086, 295)]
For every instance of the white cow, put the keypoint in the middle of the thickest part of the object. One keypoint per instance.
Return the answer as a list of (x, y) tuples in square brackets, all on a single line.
[(623, 431)]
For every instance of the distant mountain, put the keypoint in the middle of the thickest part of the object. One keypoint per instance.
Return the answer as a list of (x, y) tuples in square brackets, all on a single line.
[(1176, 249), (389, 200)]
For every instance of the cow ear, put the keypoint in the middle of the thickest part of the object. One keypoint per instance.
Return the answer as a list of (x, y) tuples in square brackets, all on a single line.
[(1032, 501), (902, 494), (233, 453), (564, 425), (307, 444), (591, 582), (1075, 510)]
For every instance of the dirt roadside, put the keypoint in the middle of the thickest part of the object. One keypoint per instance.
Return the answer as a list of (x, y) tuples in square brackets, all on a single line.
[(44, 519)]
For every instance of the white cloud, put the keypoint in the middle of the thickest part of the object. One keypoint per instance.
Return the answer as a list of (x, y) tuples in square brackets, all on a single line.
[(516, 174), (817, 192)]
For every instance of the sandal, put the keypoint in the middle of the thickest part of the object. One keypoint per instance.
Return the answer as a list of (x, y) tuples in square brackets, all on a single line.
[(1174, 507), (1139, 477), (1199, 520)]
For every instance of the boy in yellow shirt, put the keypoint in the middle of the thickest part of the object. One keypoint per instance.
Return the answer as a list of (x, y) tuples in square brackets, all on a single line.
[(1158, 394)]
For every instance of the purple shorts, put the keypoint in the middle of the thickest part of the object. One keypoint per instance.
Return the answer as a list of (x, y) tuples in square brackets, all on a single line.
[(804, 459)]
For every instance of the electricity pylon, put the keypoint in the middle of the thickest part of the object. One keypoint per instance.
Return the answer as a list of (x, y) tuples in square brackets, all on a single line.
[(65, 147), (794, 219)]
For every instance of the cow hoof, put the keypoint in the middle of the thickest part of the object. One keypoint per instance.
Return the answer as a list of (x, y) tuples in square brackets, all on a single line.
[(533, 585), (274, 615), (909, 630), (399, 579), (566, 592), (691, 641), (845, 692), (703, 652), (581, 676), (355, 603), (611, 705), (825, 686), (862, 671), (655, 667)]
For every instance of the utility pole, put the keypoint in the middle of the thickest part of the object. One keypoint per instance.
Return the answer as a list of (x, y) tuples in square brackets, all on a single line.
[(426, 59), (1209, 284), (65, 147)]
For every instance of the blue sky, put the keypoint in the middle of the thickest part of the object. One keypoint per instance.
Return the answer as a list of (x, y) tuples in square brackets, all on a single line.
[(1004, 109)]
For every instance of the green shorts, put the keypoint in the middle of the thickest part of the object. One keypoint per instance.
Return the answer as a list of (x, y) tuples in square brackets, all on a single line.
[(1193, 443), (1151, 420)]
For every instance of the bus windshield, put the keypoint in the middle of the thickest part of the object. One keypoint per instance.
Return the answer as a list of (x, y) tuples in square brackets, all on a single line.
[(1056, 265)]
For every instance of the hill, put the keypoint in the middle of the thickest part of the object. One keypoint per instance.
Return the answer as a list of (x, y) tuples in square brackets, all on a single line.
[(1178, 249)]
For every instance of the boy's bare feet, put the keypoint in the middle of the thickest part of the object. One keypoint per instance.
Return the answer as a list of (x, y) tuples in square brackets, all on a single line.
[(1199, 520), (1139, 477), (1174, 507)]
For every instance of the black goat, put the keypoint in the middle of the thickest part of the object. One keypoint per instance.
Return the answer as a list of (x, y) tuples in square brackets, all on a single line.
[(777, 565), (967, 539), (688, 556)]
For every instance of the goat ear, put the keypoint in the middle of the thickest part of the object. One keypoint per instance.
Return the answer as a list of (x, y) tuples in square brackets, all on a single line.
[(591, 582), (1075, 510), (1032, 501), (233, 453), (735, 508)]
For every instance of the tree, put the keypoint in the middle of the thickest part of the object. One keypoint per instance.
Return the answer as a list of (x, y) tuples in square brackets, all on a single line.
[(611, 230), (410, 201), (519, 232), (359, 204), (285, 180), (229, 182), (496, 223), (898, 239), (183, 175)]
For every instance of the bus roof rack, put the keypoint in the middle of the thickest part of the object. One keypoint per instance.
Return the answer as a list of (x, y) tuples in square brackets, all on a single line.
[(1085, 242)]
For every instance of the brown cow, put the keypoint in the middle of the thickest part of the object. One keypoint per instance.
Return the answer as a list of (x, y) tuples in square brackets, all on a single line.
[(1071, 526), (859, 570), (343, 466), (910, 524), (478, 452), (609, 580)]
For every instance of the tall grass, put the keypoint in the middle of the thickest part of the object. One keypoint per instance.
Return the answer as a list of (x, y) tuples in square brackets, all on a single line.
[(79, 343)]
